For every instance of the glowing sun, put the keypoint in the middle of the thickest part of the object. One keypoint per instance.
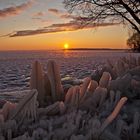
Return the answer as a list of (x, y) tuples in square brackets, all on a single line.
[(66, 46)]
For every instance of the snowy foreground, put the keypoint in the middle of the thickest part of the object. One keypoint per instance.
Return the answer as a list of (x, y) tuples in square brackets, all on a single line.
[(104, 106)]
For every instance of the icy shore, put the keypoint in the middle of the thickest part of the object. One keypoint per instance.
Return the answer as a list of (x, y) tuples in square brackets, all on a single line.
[(104, 105)]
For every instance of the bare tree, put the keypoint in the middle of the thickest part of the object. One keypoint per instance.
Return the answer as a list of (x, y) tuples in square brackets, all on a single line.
[(101, 11)]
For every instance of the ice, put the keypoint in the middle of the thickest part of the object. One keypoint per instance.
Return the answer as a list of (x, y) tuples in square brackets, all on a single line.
[(101, 96)]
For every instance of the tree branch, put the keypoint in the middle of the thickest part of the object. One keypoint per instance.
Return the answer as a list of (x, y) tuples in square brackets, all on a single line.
[(132, 13)]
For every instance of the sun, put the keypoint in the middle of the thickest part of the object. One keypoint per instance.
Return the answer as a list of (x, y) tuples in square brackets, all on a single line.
[(66, 46)]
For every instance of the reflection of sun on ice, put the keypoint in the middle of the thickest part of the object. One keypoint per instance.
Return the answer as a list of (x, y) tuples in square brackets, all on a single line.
[(66, 46)]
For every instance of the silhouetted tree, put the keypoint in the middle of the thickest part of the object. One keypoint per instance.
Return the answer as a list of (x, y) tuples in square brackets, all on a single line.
[(101, 11), (134, 42)]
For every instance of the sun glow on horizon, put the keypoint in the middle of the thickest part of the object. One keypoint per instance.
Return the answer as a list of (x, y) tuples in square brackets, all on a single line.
[(66, 46)]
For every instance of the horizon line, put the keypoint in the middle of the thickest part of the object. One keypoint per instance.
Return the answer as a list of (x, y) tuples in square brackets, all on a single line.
[(97, 49), (69, 49)]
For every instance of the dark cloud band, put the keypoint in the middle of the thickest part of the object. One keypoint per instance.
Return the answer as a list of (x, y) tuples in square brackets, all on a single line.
[(70, 26)]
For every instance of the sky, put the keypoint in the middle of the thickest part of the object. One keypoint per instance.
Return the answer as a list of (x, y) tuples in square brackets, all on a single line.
[(46, 24)]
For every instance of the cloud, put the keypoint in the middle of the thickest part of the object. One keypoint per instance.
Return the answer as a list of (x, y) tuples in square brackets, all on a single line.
[(54, 28), (55, 11), (63, 14), (39, 14), (15, 10), (68, 16)]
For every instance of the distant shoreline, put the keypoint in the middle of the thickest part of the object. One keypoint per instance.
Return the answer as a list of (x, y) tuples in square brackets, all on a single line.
[(100, 49), (70, 49)]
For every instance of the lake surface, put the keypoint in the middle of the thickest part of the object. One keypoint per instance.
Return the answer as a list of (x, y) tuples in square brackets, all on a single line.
[(15, 66)]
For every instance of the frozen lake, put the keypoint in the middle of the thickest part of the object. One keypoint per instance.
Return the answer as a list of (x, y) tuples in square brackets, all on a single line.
[(15, 66)]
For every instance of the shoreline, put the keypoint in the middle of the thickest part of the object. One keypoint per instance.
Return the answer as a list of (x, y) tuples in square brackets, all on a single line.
[(99, 49)]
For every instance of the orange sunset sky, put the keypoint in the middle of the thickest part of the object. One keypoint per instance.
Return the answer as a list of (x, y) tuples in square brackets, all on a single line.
[(45, 24)]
